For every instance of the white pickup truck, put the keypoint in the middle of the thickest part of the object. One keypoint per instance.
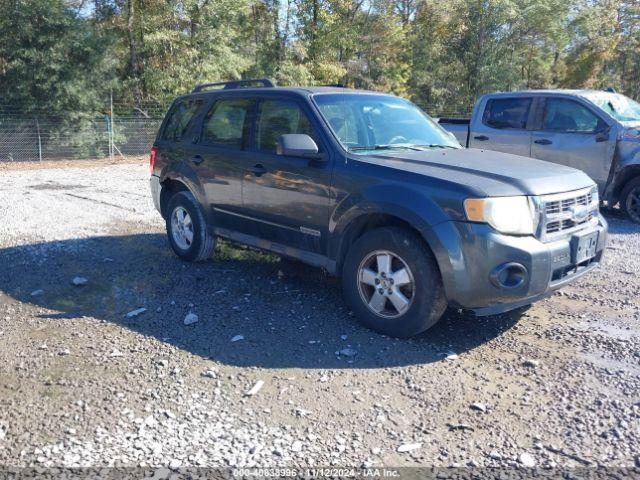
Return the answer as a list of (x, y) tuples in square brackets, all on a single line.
[(597, 132)]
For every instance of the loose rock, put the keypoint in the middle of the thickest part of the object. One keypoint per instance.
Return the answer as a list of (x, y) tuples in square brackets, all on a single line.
[(408, 447), (79, 281), (136, 312), (190, 319), (451, 356), (527, 460), (255, 389), (347, 352)]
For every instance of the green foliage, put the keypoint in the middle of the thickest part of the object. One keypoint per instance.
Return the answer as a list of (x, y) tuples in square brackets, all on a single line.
[(51, 59), (65, 56)]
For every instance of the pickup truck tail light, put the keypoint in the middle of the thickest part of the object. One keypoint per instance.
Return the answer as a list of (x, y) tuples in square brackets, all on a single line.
[(152, 159)]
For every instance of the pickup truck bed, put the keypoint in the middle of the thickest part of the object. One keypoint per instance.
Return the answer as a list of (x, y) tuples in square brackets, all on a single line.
[(459, 127)]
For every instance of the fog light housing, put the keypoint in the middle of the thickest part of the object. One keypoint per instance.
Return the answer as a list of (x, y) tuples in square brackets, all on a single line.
[(509, 276)]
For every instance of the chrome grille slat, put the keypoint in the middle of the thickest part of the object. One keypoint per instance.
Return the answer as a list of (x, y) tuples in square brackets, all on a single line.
[(558, 217)]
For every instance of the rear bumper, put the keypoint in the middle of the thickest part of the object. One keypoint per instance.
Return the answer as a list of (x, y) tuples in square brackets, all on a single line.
[(476, 251), (156, 188)]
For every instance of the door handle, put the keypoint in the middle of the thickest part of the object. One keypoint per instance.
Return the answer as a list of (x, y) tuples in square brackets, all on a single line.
[(197, 159), (257, 170), (543, 141), (482, 138)]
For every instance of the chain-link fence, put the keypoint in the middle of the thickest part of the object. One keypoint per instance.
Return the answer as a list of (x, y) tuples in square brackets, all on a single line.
[(25, 138), (41, 137)]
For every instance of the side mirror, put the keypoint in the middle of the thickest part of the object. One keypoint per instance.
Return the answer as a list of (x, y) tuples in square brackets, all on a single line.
[(297, 145)]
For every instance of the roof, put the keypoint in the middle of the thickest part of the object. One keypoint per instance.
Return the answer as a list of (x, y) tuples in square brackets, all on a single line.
[(556, 91), (303, 91)]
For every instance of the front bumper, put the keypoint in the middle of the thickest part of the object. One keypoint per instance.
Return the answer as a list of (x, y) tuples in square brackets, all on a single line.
[(475, 251), (156, 188)]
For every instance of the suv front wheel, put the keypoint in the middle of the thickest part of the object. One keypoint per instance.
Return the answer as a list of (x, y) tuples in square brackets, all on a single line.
[(392, 283), (187, 228)]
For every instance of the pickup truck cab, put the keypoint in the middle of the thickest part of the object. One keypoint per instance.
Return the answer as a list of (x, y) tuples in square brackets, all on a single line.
[(597, 132), (370, 188)]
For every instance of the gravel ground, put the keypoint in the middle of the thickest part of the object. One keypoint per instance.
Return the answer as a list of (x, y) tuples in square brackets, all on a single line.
[(257, 380)]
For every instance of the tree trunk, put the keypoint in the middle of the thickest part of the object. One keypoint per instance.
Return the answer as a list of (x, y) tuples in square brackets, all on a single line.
[(133, 52)]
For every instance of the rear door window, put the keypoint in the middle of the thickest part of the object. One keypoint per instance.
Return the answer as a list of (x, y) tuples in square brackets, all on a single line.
[(227, 123), (180, 118), (279, 117), (507, 113), (563, 115)]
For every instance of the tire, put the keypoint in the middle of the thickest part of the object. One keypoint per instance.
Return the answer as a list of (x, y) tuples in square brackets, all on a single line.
[(424, 291), (190, 239), (630, 199)]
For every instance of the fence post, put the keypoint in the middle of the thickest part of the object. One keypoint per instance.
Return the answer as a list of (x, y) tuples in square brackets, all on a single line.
[(39, 140), (111, 139)]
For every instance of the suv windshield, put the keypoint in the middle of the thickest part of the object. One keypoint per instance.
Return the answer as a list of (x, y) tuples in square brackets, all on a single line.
[(368, 122), (621, 108)]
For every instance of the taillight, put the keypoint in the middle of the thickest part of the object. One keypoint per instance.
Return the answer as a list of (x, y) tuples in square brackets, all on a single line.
[(152, 159)]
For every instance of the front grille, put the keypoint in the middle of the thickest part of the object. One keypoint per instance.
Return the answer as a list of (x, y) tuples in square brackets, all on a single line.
[(559, 216), (566, 224), (564, 205)]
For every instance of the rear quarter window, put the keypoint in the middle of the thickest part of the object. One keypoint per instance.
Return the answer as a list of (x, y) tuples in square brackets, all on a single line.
[(507, 113), (180, 118)]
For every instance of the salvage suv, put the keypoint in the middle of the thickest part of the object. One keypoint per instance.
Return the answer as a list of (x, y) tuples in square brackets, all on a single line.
[(370, 188)]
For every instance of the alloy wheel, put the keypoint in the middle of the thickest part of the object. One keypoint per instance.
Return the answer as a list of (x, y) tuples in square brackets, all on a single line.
[(182, 228), (386, 284)]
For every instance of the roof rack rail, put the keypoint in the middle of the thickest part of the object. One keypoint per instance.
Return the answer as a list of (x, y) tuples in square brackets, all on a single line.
[(253, 82)]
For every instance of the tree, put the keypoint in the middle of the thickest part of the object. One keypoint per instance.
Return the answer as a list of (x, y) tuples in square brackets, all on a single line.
[(51, 59)]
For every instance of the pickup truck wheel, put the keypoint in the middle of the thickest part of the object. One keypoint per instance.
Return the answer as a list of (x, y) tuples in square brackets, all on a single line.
[(392, 283), (187, 228), (631, 199)]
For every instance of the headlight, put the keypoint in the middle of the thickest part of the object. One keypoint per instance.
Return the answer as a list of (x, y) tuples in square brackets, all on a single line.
[(512, 215)]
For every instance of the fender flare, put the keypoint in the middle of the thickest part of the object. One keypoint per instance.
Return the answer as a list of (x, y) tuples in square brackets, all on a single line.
[(423, 217)]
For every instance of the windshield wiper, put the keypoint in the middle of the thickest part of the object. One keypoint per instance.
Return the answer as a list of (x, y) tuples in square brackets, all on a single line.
[(392, 146), (432, 145), (409, 146)]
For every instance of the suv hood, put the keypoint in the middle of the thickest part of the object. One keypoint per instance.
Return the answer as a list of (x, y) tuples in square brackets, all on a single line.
[(487, 172)]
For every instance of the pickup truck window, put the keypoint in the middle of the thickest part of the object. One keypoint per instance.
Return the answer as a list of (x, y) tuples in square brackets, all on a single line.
[(507, 113), (279, 117), (563, 115), (180, 119), (368, 122), (226, 123)]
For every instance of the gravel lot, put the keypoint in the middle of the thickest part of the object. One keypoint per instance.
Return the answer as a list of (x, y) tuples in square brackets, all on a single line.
[(84, 384)]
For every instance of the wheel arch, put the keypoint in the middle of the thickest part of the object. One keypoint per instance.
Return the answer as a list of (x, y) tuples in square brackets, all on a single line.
[(170, 187), (625, 176), (356, 227)]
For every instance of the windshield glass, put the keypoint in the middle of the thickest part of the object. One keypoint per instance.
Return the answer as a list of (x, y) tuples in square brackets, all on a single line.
[(368, 122), (618, 106)]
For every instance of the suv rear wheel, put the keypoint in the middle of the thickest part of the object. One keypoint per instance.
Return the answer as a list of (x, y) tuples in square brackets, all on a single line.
[(187, 228), (392, 283), (630, 199)]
